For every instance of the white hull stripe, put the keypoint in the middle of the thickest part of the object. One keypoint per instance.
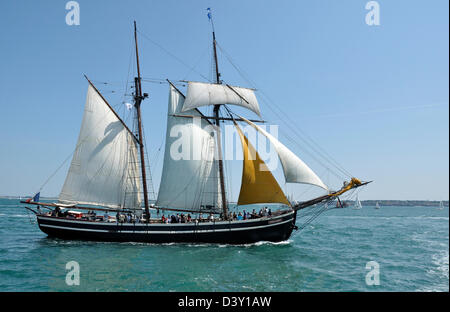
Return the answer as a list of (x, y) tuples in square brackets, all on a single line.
[(164, 232)]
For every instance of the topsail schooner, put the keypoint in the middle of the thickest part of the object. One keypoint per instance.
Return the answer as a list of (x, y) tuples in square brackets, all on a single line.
[(108, 174)]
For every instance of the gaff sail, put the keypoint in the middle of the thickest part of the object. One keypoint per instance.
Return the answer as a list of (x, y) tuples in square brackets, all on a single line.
[(104, 169), (190, 178)]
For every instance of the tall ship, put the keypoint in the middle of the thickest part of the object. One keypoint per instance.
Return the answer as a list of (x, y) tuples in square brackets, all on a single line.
[(105, 195)]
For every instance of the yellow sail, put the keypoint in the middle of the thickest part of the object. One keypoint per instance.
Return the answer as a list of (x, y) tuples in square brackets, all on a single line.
[(258, 183)]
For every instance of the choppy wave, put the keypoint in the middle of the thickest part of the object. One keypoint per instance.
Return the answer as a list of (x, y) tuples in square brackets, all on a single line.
[(18, 216), (389, 217), (440, 260), (262, 243)]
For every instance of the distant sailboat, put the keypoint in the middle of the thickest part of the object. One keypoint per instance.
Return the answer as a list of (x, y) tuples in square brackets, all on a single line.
[(441, 205), (291, 200), (377, 206), (357, 204)]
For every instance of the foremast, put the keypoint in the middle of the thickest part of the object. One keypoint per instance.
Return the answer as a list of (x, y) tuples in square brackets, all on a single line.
[(138, 97)]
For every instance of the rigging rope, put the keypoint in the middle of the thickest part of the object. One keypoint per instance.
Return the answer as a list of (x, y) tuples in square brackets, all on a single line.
[(172, 55), (312, 144), (311, 213), (147, 164)]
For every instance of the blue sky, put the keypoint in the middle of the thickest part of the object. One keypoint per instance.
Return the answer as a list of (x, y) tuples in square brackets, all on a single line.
[(374, 97)]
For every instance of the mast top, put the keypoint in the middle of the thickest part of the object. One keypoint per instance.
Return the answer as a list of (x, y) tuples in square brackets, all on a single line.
[(210, 19), (214, 47), (137, 54)]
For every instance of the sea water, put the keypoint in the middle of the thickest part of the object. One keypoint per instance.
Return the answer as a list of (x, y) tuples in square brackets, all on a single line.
[(405, 247)]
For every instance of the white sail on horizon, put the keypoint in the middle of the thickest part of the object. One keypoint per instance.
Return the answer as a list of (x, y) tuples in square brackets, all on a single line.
[(204, 94), (358, 204), (104, 169)]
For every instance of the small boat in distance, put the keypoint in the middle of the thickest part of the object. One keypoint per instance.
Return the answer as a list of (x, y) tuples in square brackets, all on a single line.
[(377, 206), (441, 205), (357, 205)]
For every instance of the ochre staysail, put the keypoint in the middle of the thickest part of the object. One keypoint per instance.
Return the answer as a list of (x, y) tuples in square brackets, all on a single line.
[(295, 170), (258, 183)]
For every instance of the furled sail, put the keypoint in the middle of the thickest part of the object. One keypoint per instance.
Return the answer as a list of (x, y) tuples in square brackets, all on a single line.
[(203, 94), (258, 183), (104, 169), (190, 177), (295, 170)]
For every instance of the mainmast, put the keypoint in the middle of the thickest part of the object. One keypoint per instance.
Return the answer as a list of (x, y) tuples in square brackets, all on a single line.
[(137, 103), (217, 121)]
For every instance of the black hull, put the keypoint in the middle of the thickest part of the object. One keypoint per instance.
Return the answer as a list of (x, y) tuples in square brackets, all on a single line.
[(273, 229)]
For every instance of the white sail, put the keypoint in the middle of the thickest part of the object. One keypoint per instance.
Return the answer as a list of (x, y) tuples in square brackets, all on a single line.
[(190, 181), (104, 169), (357, 204), (295, 170), (203, 94)]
